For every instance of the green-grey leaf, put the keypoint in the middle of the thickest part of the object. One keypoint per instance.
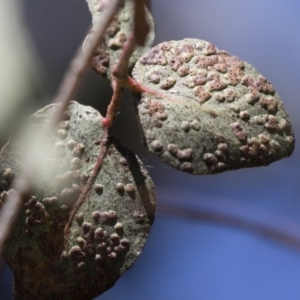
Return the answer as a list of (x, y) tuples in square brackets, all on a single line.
[(108, 53), (110, 228), (208, 111)]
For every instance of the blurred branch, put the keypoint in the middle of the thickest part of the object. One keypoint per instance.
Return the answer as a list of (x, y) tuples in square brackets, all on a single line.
[(81, 59), (231, 213), (19, 73)]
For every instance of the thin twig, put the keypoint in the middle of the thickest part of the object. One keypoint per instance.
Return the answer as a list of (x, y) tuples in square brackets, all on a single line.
[(138, 36), (119, 79), (137, 87), (83, 196), (115, 103), (121, 69), (231, 213), (107, 122), (11, 208)]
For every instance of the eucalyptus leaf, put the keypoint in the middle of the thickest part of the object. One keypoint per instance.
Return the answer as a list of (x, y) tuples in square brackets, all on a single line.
[(108, 52), (109, 229), (207, 111)]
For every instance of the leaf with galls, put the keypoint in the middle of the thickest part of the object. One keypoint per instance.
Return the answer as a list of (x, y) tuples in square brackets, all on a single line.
[(108, 52), (109, 229), (205, 111)]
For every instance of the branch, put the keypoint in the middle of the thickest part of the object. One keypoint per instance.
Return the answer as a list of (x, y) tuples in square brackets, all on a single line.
[(230, 213), (119, 81), (120, 71), (74, 73), (104, 146)]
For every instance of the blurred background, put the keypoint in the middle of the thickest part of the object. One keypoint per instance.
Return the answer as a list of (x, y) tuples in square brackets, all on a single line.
[(186, 258)]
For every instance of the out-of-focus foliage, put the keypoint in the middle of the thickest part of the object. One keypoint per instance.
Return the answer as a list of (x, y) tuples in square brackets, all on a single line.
[(18, 64)]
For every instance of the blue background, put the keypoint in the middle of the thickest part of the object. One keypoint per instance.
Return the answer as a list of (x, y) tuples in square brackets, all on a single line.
[(188, 259)]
